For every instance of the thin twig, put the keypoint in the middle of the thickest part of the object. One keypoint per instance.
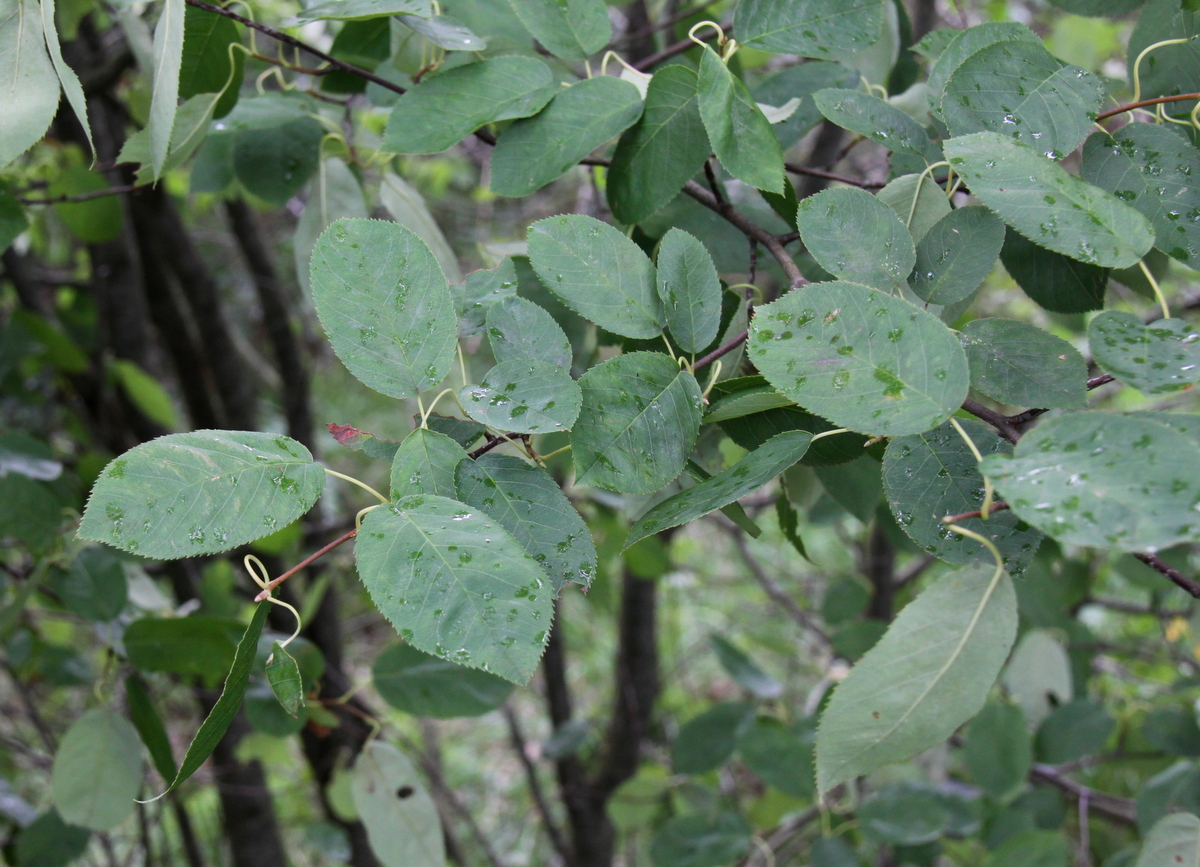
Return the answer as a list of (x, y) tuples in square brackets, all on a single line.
[(1158, 100), (1120, 810), (672, 50), (772, 588), (517, 736), (345, 537), (1030, 414), (1133, 608), (832, 176), (995, 419), (492, 442), (726, 347), (750, 229), (1177, 578)]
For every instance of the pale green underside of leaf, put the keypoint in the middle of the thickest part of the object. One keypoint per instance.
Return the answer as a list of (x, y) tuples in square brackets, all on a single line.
[(403, 831), (689, 289), (28, 85), (407, 207), (524, 396), (445, 32), (187, 494), (424, 464), (1158, 358), (856, 237), (168, 55), (930, 673), (97, 770), (829, 29), (1173, 842)]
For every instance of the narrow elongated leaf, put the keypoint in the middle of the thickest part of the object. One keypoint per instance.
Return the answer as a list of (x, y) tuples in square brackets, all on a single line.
[(446, 108), (741, 136), (1056, 282), (855, 236), (456, 584), (1019, 89), (1175, 840), (1151, 166), (150, 728), (1019, 364), (966, 43), (425, 686), (930, 673), (355, 10), (956, 255), (640, 417), (29, 98), (527, 502), (689, 289), (1044, 203), (199, 493), (283, 674), (536, 150), (97, 770), (826, 29), (66, 75), (401, 819), (168, 55), (750, 473), (519, 329), (733, 511), (385, 305), (1158, 358), (570, 29), (524, 396), (424, 464), (746, 402), (878, 120), (662, 151), (934, 474), (598, 273), (1106, 480), (860, 358)]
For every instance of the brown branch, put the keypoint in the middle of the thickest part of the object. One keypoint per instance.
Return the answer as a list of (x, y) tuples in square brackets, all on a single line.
[(1120, 810), (995, 419), (1158, 100), (1177, 578), (345, 537), (726, 347), (773, 590), (671, 50), (493, 442), (832, 176), (535, 787), (998, 506), (1030, 414)]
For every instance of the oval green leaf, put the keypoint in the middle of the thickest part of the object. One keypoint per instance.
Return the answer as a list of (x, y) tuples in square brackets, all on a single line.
[(1158, 358), (570, 29), (1019, 364), (402, 821), (689, 289), (956, 255), (519, 329), (524, 397), (283, 674), (829, 29), (424, 464), (97, 770), (741, 135), (855, 236), (878, 120), (425, 686)]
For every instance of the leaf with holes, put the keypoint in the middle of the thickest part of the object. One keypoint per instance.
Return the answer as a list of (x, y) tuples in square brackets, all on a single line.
[(401, 819)]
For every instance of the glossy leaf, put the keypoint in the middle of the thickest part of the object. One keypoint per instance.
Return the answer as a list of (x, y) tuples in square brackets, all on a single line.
[(934, 474), (425, 686), (704, 742), (1056, 282), (1044, 203), (570, 29), (527, 502), (860, 358), (385, 305), (424, 464), (444, 32), (1158, 358), (749, 474), (536, 150), (446, 108), (856, 237), (456, 584), (97, 770), (689, 289), (93, 586), (401, 819), (999, 750), (956, 255), (909, 693), (878, 120), (662, 151), (199, 493), (30, 100), (1101, 479), (519, 329), (283, 674), (966, 43), (336, 194), (1151, 167), (1175, 839), (1019, 364), (826, 29), (354, 10), (919, 209), (741, 136), (640, 417), (168, 56), (524, 397), (744, 402), (598, 273)]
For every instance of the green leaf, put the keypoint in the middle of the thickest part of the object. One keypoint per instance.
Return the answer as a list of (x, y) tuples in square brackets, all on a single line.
[(826, 29), (1044, 203), (29, 511), (1056, 282), (908, 693), (48, 841), (999, 750), (918, 209), (336, 193), (640, 418), (689, 289), (966, 43), (12, 214), (1169, 69), (445, 32), (570, 29), (1151, 167), (93, 586), (744, 670), (283, 674), (934, 474), (385, 305), (30, 100), (1101, 479), (275, 163), (701, 840), (778, 756), (728, 486), (956, 255), (860, 358), (833, 852), (704, 742), (187, 494), (168, 56), (1073, 730), (1173, 730), (527, 502), (524, 397), (857, 485), (855, 236), (402, 821), (475, 297), (66, 75), (407, 207), (1158, 358), (462, 430), (1175, 839), (741, 136), (802, 81), (197, 645), (1019, 89), (207, 66), (878, 120), (1038, 676), (519, 329), (446, 108), (914, 814), (748, 401), (424, 464), (1019, 364), (425, 686), (537, 150), (97, 770), (149, 725), (477, 597), (662, 151), (354, 10), (598, 273), (1032, 849), (145, 392)]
